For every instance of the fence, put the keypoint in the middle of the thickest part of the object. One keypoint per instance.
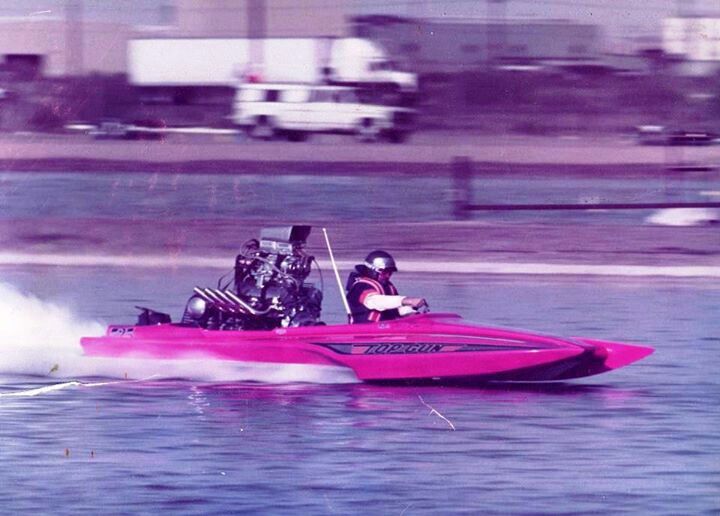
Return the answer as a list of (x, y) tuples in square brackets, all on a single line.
[(463, 172)]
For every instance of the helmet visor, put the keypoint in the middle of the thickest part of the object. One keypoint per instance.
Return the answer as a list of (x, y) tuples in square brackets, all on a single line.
[(381, 267)]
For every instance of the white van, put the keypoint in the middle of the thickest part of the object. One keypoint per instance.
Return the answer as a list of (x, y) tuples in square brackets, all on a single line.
[(268, 110)]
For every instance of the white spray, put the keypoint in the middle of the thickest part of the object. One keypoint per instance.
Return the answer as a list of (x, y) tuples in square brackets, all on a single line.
[(42, 338), (38, 337)]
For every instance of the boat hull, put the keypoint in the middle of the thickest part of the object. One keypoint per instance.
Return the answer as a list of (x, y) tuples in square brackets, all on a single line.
[(428, 347)]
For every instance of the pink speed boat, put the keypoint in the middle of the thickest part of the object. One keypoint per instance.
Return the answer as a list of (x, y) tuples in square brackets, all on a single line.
[(268, 314), (423, 347)]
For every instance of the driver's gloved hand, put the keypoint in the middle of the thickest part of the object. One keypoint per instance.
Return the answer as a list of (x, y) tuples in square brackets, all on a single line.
[(415, 302)]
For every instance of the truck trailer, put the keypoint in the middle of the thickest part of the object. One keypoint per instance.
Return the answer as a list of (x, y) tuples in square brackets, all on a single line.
[(228, 62)]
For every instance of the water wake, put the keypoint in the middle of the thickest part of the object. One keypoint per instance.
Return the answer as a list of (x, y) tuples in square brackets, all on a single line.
[(51, 388), (684, 217), (40, 338), (210, 370), (43, 339), (39, 390)]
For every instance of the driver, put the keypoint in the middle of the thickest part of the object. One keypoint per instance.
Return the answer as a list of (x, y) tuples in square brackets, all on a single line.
[(371, 295)]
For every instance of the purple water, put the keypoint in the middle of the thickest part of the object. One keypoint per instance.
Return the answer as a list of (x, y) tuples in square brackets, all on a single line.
[(340, 198), (639, 440), (77, 438)]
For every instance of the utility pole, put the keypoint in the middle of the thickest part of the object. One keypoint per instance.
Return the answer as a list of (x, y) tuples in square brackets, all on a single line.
[(256, 31), (496, 34), (73, 37), (256, 18)]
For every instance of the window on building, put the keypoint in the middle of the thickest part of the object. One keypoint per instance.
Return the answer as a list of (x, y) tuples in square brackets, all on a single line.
[(24, 66)]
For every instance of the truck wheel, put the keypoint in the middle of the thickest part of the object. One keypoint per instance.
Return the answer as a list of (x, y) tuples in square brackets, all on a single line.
[(367, 130), (262, 129)]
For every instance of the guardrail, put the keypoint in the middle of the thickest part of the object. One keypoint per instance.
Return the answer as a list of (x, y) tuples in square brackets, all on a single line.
[(463, 172)]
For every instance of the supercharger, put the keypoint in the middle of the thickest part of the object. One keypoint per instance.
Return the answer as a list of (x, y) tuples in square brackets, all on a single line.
[(268, 288)]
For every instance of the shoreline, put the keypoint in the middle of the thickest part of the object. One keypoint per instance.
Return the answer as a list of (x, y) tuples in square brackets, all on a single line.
[(408, 266), (464, 247), (475, 246), (313, 168), (426, 153)]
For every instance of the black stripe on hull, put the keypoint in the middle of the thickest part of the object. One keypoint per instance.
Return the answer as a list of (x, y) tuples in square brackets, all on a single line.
[(585, 364), (413, 348)]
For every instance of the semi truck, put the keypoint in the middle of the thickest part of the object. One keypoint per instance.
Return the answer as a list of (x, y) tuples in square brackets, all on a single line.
[(207, 62)]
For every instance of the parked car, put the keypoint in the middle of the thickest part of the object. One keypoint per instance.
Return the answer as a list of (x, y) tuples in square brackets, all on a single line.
[(691, 138), (109, 130), (113, 129), (661, 135), (268, 110)]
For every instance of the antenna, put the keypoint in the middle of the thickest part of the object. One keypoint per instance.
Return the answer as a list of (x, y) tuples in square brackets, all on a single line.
[(337, 274)]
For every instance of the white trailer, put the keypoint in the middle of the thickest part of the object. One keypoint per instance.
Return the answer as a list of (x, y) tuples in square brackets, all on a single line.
[(230, 61)]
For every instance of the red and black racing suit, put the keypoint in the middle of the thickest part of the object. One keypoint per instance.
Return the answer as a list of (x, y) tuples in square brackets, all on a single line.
[(359, 287)]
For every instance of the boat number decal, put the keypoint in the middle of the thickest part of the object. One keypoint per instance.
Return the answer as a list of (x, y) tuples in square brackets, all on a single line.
[(122, 332)]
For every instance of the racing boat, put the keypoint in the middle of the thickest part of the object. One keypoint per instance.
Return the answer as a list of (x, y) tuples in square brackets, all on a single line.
[(422, 347), (268, 314)]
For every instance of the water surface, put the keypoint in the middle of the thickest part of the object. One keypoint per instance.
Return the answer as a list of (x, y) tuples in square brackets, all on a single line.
[(371, 197), (639, 440)]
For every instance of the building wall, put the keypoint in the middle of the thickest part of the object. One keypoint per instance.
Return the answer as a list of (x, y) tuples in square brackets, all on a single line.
[(226, 18), (83, 46), (43, 38), (308, 18), (67, 49), (696, 39), (447, 46), (105, 48), (261, 18)]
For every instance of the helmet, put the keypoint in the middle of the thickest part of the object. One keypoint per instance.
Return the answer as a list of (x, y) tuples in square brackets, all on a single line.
[(380, 261)]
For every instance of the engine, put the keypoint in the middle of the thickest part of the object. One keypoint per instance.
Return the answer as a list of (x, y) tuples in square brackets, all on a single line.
[(269, 288)]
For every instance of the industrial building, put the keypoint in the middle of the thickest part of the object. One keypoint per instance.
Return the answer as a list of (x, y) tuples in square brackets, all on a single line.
[(87, 42), (261, 18), (83, 38), (696, 41), (32, 48), (456, 45), (76, 37)]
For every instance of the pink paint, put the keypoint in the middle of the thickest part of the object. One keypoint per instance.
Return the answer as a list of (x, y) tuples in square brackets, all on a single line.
[(420, 347)]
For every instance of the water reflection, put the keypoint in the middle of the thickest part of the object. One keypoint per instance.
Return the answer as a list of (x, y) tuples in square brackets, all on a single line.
[(377, 398)]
